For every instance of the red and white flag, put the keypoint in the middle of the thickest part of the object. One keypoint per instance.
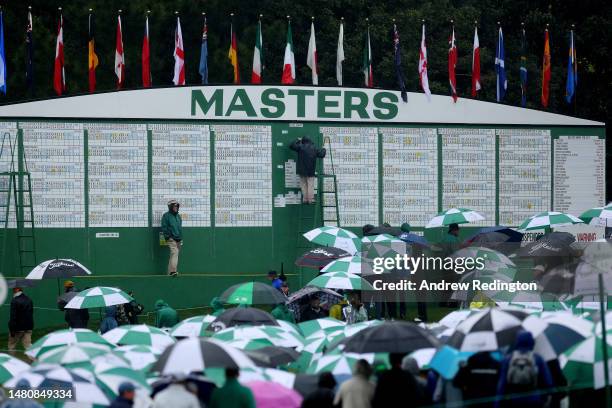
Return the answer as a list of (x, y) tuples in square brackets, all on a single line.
[(179, 55), (452, 64), (313, 59), (475, 65), (59, 75), (119, 56), (423, 67), (146, 64), (258, 65), (289, 60)]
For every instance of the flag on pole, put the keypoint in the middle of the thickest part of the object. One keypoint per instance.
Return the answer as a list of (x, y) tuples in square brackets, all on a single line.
[(423, 67), (546, 70), (475, 65), (312, 60), (29, 54), (203, 68), (119, 56), (2, 56), (59, 78), (368, 73), (500, 69), (523, 69), (258, 57), (452, 65), (179, 55), (572, 71), (397, 62), (92, 58), (340, 54), (146, 55), (233, 53), (289, 59)]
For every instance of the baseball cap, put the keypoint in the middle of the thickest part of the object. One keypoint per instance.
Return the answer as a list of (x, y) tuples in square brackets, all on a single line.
[(126, 387), (68, 284)]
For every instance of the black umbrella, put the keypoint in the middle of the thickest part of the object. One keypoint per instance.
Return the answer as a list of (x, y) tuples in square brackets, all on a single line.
[(58, 268), (273, 356), (393, 231), (319, 257), (240, 316), (204, 385), (390, 337), (511, 235), (21, 283), (306, 384), (554, 244)]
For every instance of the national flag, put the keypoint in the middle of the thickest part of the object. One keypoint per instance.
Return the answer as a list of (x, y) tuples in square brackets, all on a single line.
[(423, 66), (366, 67), (475, 65), (2, 56), (397, 59), (233, 54), (258, 57), (203, 67), (119, 56), (146, 57), (29, 54), (546, 70), (289, 59), (452, 65), (59, 75), (572, 71), (523, 69), (92, 58), (500, 68), (179, 55), (312, 60), (340, 54)]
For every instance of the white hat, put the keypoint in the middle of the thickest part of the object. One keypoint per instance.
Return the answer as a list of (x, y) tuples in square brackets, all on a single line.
[(172, 202)]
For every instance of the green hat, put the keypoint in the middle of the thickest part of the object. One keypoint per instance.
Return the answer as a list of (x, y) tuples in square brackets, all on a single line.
[(405, 227)]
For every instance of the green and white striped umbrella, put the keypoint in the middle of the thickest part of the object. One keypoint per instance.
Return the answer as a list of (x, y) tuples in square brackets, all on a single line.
[(138, 356), (335, 237), (250, 344), (382, 245), (252, 293), (528, 301), (73, 355), (326, 324), (109, 378), (193, 327), (98, 296), (454, 216), (348, 264), (583, 364), (341, 280), (65, 337), (277, 336), (10, 367), (549, 219), (351, 329), (598, 215), (492, 259), (343, 363), (139, 334)]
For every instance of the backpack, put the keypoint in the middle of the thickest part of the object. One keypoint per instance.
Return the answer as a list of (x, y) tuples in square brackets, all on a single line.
[(522, 370)]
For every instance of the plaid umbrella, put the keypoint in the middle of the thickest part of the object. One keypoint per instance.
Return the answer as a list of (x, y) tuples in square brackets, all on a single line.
[(341, 280), (597, 215), (583, 363), (326, 324), (454, 216), (335, 237), (139, 357), (58, 268), (252, 293), (65, 337), (139, 334), (349, 264), (319, 257), (192, 327), (549, 219), (10, 367), (98, 296)]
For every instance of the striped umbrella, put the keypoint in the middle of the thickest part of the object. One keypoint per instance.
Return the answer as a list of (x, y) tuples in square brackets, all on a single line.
[(349, 264), (139, 334), (275, 335), (335, 237), (491, 258), (74, 354), (598, 215), (98, 296), (326, 324), (343, 363), (382, 245), (341, 280), (528, 301), (65, 337), (110, 378), (252, 293), (583, 363), (549, 219), (10, 367), (250, 344), (192, 327), (139, 357), (454, 216)]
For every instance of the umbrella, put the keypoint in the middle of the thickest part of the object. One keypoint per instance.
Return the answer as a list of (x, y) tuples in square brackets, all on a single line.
[(390, 337), (351, 329), (483, 235), (341, 280), (139, 334), (274, 334), (491, 257), (583, 363), (549, 219), (334, 237), (552, 244), (423, 357), (289, 327), (98, 296), (194, 354), (58, 268), (239, 316), (454, 216), (382, 245), (140, 357), (349, 264), (326, 324), (73, 354), (319, 257), (63, 338), (272, 395), (452, 319), (446, 361), (273, 356), (597, 215), (302, 296), (252, 293), (204, 385), (20, 283), (394, 231), (74, 381), (411, 238), (248, 374), (192, 327), (342, 363), (112, 377), (10, 367), (488, 330)]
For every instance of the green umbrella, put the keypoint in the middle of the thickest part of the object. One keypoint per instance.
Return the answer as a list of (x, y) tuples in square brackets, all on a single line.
[(597, 215), (582, 364), (109, 378), (193, 327), (528, 301), (138, 356), (326, 324), (250, 344), (382, 245), (275, 335), (548, 219), (341, 280), (98, 296), (343, 363), (139, 334), (252, 293), (10, 367), (334, 237), (64, 337), (454, 216), (349, 264), (73, 354)]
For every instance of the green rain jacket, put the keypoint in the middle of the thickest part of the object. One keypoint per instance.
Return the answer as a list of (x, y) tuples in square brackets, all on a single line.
[(172, 226), (232, 395), (165, 316)]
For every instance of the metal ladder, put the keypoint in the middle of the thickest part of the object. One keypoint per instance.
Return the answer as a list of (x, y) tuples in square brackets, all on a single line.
[(17, 184)]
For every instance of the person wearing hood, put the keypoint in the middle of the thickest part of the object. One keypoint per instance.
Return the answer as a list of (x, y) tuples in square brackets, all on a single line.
[(217, 306), (281, 312), (110, 319), (523, 371), (165, 316), (21, 320), (307, 153)]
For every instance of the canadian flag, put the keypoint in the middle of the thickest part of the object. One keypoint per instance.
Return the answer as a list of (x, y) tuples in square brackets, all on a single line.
[(475, 65), (119, 56), (313, 60), (289, 60), (423, 66), (59, 75), (179, 55)]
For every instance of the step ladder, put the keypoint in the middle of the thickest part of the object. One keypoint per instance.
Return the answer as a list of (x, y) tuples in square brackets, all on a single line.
[(16, 189)]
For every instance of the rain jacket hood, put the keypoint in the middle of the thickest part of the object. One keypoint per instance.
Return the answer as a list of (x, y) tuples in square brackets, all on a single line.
[(524, 341)]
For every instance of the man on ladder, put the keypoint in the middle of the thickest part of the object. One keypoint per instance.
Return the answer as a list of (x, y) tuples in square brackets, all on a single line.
[(308, 153)]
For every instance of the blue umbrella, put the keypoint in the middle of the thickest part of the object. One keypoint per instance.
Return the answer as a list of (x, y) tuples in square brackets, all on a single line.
[(414, 239), (513, 236)]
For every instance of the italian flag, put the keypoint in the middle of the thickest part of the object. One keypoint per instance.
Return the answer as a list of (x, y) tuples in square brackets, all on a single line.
[(289, 61), (258, 64)]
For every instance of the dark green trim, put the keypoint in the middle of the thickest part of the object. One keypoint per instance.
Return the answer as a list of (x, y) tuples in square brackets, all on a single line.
[(381, 188), (552, 171), (150, 176), (440, 173), (86, 175)]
